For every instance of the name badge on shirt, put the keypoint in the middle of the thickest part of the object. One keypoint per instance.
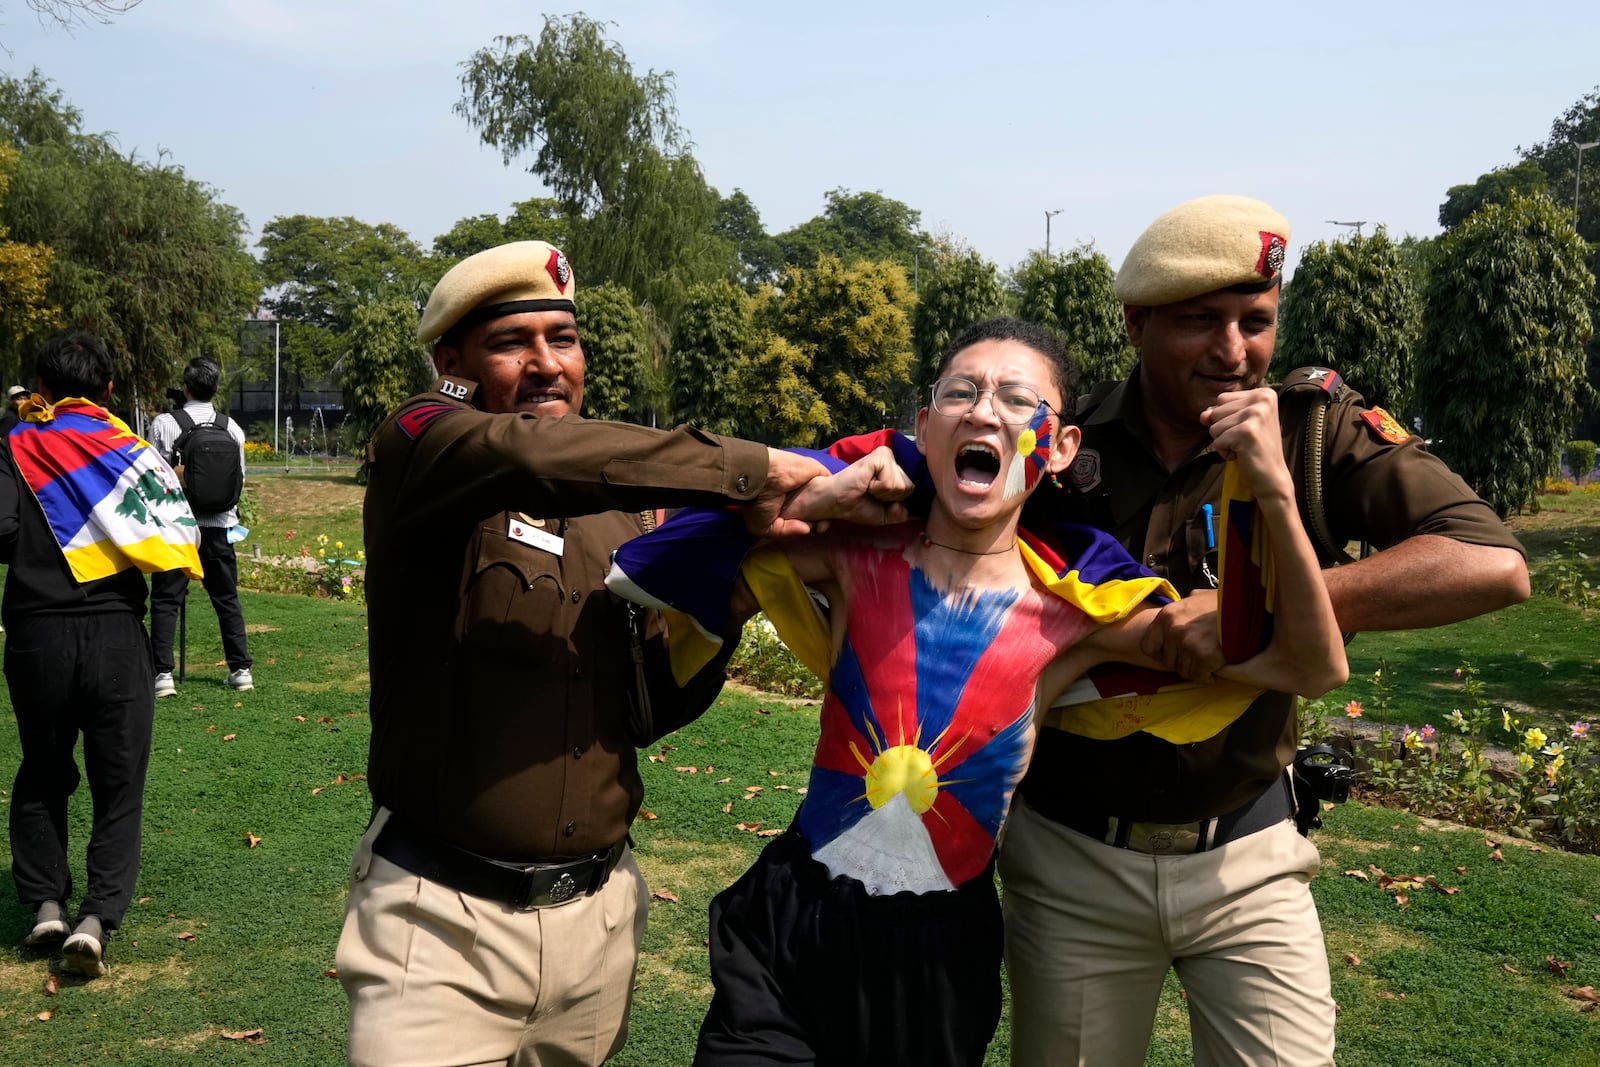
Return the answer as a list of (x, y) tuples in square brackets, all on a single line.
[(528, 532)]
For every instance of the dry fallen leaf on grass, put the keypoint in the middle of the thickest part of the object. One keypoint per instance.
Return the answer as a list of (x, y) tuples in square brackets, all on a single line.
[(1590, 998), (666, 895), (1497, 856), (326, 720), (1386, 995), (1559, 968), (647, 815), (43, 1016), (771, 833), (229, 737), (252, 1036), (722, 781), (774, 774), (1447, 890), (1510, 969), (1461, 870), (1360, 876), (299, 718), (687, 770), (657, 759), (748, 827), (143, 900), (1402, 900), (52, 985), (251, 839), (331, 972), (727, 807), (211, 729), (1352, 959), (185, 936), (1375, 869)]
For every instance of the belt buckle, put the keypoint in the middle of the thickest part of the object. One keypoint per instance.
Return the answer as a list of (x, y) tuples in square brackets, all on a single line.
[(562, 887), (1164, 839)]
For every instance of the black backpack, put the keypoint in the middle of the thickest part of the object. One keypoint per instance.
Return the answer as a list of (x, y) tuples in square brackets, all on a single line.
[(206, 459)]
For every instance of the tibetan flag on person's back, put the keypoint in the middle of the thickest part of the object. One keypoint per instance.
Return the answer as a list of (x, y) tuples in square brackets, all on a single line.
[(110, 500)]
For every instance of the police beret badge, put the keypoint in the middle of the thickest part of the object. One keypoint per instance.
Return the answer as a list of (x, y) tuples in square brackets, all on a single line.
[(1273, 250), (560, 272)]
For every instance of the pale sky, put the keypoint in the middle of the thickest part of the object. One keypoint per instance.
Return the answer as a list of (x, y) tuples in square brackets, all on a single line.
[(981, 116)]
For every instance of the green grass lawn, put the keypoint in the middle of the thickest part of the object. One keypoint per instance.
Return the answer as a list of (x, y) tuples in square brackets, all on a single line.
[(1457, 978), (280, 763)]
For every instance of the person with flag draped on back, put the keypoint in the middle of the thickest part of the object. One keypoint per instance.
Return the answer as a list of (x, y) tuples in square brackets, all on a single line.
[(1134, 852), (869, 932), (87, 509)]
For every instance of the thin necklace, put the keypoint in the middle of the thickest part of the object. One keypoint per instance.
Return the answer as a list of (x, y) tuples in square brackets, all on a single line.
[(931, 543)]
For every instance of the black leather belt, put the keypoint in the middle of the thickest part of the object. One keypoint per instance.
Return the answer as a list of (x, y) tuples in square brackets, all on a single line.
[(522, 886), (1168, 839)]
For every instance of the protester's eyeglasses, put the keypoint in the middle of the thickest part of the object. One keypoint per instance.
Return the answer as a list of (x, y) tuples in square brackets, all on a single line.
[(1012, 404)]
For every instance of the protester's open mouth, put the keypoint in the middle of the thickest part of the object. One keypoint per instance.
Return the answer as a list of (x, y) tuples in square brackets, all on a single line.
[(977, 464)]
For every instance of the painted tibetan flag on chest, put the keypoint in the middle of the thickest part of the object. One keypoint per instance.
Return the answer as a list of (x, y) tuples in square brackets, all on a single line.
[(109, 499)]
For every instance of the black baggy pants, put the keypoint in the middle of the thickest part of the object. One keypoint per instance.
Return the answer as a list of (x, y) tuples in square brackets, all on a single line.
[(220, 566)]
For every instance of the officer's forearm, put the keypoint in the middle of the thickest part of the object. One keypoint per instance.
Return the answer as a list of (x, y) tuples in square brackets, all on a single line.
[(1425, 581)]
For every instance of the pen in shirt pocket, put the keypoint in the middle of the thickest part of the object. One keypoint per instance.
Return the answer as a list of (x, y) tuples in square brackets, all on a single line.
[(1211, 530)]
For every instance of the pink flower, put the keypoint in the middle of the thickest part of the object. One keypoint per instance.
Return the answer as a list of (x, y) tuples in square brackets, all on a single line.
[(1427, 732), (1580, 729), (1353, 709), (288, 535)]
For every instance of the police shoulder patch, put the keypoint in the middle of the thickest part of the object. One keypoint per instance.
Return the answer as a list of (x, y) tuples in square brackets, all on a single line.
[(414, 421), (1384, 426)]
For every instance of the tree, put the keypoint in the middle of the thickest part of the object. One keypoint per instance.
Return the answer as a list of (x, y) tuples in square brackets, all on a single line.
[(382, 365), (607, 143), (539, 219), (25, 307), (69, 13), (325, 268), (1494, 187), (853, 227), (782, 406), (853, 326), (1354, 306), (959, 287), (616, 352), (1501, 376), (1073, 293), (144, 257), (710, 346), (739, 222)]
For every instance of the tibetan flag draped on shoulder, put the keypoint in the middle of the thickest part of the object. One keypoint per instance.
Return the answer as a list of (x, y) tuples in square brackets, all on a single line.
[(109, 498)]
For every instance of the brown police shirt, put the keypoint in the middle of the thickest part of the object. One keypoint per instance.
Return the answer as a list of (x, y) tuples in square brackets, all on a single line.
[(1375, 490), (501, 668)]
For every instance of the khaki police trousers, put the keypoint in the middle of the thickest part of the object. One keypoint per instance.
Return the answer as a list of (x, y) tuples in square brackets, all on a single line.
[(438, 977), (1091, 931)]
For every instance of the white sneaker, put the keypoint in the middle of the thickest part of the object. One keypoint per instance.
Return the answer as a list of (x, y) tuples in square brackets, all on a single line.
[(84, 952), (49, 925), (240, 679), (165, 686)]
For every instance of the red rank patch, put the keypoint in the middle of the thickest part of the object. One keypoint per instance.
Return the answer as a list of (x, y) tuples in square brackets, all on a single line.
[(413, 422), (1384, 426)]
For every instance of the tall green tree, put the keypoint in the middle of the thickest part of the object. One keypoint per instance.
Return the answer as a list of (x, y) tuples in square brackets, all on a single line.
[(382, 365), (616, 350), (1500, 372), (853, 325), (1073, 292), (145, 257), (538, 219), (1495, 187), (1355, 306), (781, 405), (959, 287), (607, 143), (854, 227), (25, 307), (739, 222), (322, 269), (710, 346)]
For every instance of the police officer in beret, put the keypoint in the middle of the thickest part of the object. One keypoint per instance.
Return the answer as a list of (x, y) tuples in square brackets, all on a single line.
[(1127, 857), (495, 909)]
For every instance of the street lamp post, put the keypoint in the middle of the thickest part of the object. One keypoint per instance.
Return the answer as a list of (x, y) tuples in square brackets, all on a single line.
[(1048, 215), (1577, 175)]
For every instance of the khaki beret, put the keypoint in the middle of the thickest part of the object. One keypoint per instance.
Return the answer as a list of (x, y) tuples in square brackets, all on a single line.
[(1201, 246), (506, 280)]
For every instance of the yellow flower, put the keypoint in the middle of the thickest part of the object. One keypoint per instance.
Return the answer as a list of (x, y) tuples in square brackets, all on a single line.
[(360, 556), (1556, 764), (1524, 761), (1413, 740), (338, 544), (320, 553), (1534, 738), (322, 539), (1505, 720)]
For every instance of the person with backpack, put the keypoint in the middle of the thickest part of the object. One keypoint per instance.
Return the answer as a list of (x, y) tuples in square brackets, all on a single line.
[(206, 449)]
